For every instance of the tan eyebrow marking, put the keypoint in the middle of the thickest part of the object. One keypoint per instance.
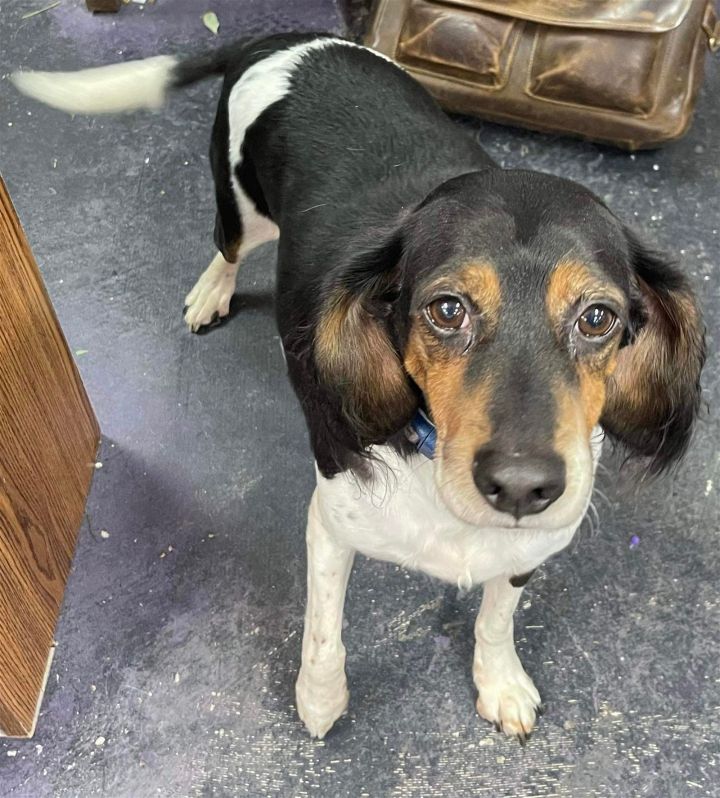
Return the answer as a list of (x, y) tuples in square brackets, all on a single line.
[(480, 282), (569, 281)]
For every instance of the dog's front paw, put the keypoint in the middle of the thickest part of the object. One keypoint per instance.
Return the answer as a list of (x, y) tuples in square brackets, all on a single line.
[(210, 299), (509, 699), (321, 699)]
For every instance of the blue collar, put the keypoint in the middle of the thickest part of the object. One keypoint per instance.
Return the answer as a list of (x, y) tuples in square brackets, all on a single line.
[(422, 434)]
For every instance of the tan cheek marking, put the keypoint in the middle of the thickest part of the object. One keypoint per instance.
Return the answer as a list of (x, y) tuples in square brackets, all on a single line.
[(587, 399), (461, 416), (571, 421), (467, 426), (592, 396), (585, 402), (594, 374), (436, 371), (481, 283)]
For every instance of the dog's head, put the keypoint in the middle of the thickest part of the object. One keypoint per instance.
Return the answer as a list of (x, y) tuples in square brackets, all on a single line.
[(522, 314)]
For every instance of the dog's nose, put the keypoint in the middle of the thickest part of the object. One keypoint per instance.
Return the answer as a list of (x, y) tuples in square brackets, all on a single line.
[(518, 484)]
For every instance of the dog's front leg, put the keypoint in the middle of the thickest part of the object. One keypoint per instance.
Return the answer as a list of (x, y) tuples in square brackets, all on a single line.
[(506, 694), (321, 690)]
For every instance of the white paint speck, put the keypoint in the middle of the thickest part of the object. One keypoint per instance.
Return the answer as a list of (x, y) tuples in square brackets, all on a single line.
[(104, 534), (656, 167), (100, 741), (708, 487), (177, 678), (486, 741), (12, 752), (98, 464), (39, 748)]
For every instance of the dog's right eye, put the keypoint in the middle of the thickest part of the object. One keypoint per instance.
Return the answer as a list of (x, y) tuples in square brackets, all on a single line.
[(447, 313)]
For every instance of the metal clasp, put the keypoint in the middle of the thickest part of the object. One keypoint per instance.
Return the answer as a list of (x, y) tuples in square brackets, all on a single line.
[(711, 26)]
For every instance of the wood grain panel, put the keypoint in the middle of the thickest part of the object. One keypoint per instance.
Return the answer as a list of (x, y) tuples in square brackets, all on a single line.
[(48, 441)]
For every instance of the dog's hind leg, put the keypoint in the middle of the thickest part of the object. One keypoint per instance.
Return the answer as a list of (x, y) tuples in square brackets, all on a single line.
[(243, 218), (209, 299), (241, 224)]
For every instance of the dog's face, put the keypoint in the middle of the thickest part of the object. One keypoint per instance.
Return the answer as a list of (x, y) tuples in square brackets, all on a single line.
[(522, 314), (518, 307)]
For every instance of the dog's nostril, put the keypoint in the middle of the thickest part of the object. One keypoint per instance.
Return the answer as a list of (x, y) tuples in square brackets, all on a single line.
[(519, 485)]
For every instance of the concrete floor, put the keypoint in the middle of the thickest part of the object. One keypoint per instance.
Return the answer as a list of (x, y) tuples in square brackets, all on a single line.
[(180, 635)]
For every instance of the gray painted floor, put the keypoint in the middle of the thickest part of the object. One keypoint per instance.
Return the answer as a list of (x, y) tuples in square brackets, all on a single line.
[(180, 635)]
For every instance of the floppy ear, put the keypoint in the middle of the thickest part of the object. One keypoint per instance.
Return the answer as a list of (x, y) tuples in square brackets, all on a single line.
[(654, 394), (354, 351)]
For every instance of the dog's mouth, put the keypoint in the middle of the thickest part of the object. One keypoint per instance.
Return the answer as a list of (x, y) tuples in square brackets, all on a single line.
[(526, 506)]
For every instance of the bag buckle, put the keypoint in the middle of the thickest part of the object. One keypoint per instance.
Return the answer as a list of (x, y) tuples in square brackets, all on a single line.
[(711, 26)]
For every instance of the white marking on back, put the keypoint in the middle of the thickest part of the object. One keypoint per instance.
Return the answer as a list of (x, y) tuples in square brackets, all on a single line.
[(262, 85)]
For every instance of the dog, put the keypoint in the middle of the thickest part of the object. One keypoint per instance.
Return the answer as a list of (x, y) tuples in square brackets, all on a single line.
[(461, 337)]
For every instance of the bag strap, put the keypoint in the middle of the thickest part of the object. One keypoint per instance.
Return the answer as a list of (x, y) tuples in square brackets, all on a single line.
[(711, 26)]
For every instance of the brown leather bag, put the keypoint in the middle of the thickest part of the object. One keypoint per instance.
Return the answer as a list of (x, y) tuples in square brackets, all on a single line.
[(625, 72)]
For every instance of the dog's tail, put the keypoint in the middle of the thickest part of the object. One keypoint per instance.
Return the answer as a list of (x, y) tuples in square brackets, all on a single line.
[(122, 87)]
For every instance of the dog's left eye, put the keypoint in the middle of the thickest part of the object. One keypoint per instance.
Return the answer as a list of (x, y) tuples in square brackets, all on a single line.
[(596, 321), (447, 313)]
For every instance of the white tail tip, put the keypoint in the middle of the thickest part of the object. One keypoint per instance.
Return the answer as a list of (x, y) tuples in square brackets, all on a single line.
[(103, 90)]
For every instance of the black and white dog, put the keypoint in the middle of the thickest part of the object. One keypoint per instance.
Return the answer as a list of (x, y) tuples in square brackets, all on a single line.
[(460, 336)]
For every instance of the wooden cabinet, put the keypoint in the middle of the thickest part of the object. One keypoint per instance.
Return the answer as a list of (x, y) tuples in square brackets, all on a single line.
[(48, 441)]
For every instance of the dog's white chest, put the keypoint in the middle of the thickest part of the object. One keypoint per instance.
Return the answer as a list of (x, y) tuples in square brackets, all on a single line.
[(400, 518)]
